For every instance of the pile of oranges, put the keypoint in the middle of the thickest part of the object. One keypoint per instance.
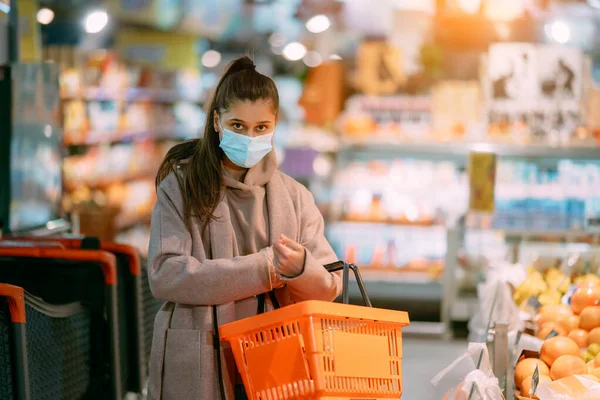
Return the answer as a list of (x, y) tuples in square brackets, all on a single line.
[(571, 335)]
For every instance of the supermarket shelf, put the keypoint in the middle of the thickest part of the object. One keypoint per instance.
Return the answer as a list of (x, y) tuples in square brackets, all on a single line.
[(104, 183), (425, 328), (464, 308), (397, 277), (461, 150), (379, 224), (399, 288), (549, 235), (132, 95), (175, 133), (133, 220)]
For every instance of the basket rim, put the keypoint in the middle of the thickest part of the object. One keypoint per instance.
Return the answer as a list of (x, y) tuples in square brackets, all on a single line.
[(312, 308)]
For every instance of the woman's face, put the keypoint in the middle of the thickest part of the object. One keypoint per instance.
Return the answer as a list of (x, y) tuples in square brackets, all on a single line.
[(249, 118)]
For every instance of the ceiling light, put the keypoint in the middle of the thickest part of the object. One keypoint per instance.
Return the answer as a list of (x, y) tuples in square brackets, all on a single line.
[(318, 23), (313, 59), (504, 11), (277, 39), (294, 51), (469, 6), (559, 31), (335, 57), (211, 58), (503, 30), (45, 16), (95, 21)]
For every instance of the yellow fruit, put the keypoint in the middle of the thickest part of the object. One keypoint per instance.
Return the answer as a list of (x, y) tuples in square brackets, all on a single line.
[(586, 356), (590, 366), (594, 349)]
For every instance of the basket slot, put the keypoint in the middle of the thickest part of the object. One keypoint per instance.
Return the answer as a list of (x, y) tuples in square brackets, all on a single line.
[(300, 388), (363, 385)]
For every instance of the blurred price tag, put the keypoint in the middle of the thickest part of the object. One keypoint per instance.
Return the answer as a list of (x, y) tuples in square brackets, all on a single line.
[(552, 334), (535, 381), (534, 303), (482, 182)]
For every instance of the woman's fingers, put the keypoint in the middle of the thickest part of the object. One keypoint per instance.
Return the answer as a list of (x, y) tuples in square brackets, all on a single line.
[(291, 243), (281, 249)]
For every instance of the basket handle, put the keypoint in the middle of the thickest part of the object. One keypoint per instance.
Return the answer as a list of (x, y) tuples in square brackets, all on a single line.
[(342, 266)]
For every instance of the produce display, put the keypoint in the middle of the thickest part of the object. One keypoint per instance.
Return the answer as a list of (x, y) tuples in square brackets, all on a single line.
[(565, 310)]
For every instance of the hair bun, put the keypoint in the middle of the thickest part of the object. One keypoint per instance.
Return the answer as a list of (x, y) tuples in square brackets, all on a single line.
[(240, 64)]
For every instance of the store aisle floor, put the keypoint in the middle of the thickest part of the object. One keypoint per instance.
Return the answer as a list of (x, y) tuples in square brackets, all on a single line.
[(423, 358)]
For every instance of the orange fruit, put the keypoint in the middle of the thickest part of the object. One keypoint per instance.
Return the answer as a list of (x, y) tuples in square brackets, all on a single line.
[(580, 337), (589, 318), (556, 347), (567, 365)]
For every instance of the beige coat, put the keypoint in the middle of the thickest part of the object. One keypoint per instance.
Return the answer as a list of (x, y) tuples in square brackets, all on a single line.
[(191, 271)]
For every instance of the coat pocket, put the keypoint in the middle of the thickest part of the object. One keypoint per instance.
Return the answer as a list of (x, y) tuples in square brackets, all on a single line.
[(182, 365), (155, 367)]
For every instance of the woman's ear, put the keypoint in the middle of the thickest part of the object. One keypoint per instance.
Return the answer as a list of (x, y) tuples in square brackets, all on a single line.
[(216, 122)]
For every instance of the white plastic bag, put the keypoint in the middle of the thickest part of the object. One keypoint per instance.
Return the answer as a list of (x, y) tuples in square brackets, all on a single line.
[(496, 294), (462, 377), (570, 388)]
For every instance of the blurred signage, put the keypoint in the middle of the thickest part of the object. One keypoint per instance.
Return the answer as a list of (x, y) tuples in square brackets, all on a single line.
[(534, 85), (170, 51), (482, 182), (379, 68), (163, 14), (213, 19), (134, 4), (30, 37)]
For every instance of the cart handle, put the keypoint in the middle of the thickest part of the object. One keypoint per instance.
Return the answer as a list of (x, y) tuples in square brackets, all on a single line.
[(130, 252), (345, 268)]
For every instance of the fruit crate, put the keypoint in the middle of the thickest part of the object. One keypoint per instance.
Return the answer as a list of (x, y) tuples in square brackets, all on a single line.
[(320, 350)]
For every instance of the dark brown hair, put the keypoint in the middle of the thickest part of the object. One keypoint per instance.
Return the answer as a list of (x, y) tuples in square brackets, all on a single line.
[(201, 175)]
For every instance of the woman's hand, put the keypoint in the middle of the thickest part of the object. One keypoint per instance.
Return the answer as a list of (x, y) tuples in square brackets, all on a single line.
[(289, 257)]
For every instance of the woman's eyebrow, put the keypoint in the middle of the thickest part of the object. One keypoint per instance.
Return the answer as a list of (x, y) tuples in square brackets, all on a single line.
[(242, 121)]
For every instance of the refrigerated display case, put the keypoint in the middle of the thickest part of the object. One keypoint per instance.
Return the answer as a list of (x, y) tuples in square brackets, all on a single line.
[(31, 160)]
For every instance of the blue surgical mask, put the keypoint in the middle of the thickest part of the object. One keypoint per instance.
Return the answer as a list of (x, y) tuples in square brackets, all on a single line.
[(245, 151)]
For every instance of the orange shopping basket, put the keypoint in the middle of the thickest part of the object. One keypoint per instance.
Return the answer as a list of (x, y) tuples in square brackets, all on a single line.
[(321, 350)]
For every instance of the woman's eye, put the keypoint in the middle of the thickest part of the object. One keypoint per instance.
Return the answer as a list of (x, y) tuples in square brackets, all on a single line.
[(261, 128), (238, 127)]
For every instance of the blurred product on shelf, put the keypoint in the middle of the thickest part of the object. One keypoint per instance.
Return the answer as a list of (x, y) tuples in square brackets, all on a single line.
[(531, 197), (402, 191), (514, 103), (388, 119), (101, 166), (457, 110), (528, 196), (410, 253), (120, 119), (322, 94)]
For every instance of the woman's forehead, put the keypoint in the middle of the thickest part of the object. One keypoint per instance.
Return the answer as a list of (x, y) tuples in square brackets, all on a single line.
[(250, 111)]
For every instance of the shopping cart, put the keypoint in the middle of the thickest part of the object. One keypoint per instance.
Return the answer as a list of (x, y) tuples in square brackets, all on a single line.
[(321, 350)]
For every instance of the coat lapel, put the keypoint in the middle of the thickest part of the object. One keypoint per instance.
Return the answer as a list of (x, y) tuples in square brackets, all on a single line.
[(282, 215), (222, 238)]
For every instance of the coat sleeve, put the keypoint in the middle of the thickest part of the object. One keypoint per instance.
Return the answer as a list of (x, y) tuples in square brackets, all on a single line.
[(178, 277), (314, 283)]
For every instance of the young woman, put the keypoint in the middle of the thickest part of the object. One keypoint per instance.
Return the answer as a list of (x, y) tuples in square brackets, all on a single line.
[(227, 228)]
